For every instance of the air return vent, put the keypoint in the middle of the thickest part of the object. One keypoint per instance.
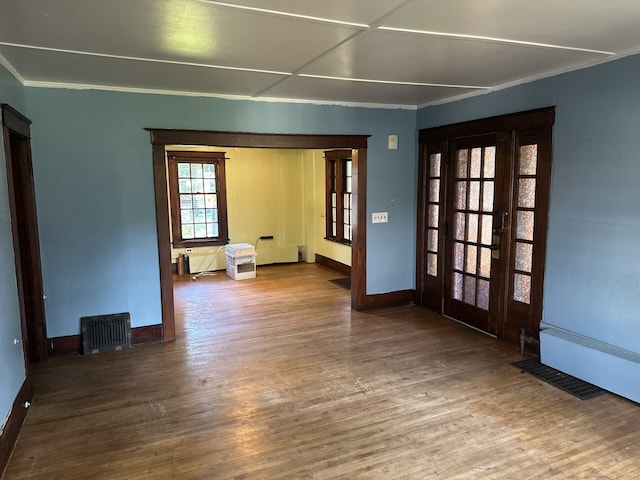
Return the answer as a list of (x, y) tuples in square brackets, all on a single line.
[(106, 333)]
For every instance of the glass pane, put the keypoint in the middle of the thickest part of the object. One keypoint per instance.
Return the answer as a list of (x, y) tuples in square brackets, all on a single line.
[(487, 197), (524, 229), (458, 256), (432, 240), (522, 288), (186, 201), (434, 191), (348, 168), (196, 170), (432, 264), (183, 170), (187, 231), (345, 231), (199, 215), (200, 230), (483, 294), (485, 263), (434, 165), (476, 159), (472, 230), (527, 192), (461, 163), (186, 216), (334, 229), (528, 159), (334, 200), (489, 162), (346, 216), (345, 200), (457, 286), (184, 185), (461, 195), (486, 231), (459, 228), (474, 196), (198, 201), (211, 215), (197, 185), (212, 230), (472, 257), (524, 256), (434, 213), (209, 185), (211, 200), (348, 186), (209, 171), (470, 290)]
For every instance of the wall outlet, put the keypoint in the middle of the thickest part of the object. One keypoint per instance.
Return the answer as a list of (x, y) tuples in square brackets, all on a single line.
[(380, 217), (188, 250)]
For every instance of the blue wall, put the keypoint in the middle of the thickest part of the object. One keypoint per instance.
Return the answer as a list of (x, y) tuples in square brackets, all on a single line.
[(12, 368), (592, 279), (94, 185)]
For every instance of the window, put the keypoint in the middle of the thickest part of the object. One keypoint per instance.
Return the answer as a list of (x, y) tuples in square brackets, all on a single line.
[(198, 198), (338, 196)]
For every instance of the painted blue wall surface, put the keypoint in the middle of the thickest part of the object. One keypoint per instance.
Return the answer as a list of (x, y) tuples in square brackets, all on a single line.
[(94, 184), (12, 367), (592, 278)]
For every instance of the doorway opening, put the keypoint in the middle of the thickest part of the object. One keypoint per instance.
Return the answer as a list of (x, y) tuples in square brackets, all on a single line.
[(161, 138), (482, 221)]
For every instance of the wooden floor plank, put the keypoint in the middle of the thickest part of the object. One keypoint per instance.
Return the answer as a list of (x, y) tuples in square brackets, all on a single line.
[(276, 378)]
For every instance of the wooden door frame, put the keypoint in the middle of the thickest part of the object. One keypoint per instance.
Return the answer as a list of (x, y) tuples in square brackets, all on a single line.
[(429, 292), (160, 138), (17, 127)]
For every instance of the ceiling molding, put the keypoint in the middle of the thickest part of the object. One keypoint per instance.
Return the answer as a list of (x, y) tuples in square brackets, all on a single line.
[(11, 69), (179, 93)]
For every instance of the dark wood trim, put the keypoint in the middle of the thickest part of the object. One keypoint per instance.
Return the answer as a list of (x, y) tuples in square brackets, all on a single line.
[(514, 121), (162, 137), (72, 344), (164, 243), (359, 229), (333, 264), (14, 120), (391, 299), (14, 423)]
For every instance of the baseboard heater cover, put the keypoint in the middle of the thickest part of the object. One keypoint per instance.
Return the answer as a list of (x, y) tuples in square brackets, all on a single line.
[(105, 333), (607, 366)]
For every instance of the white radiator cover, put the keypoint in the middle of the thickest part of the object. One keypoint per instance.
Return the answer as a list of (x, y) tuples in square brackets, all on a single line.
[(607, 366), (200, 262)]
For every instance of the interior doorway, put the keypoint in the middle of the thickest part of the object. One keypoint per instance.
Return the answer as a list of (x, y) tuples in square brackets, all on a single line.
[(484, 189), (26, 244), (160, 138)]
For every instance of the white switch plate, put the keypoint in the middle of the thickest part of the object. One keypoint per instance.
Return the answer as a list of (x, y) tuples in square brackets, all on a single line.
[(393, 142), (380, 217)]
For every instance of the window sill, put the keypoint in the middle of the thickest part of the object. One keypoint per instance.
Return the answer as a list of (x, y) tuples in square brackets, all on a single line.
[(199, 243)]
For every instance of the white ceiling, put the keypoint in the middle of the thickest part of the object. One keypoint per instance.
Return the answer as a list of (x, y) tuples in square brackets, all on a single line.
[(385, 52)]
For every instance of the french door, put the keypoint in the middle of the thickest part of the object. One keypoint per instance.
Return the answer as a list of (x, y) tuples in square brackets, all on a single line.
[(483, 206)]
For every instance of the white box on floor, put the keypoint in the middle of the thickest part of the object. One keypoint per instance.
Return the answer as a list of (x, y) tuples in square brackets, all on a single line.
[(241, 261)]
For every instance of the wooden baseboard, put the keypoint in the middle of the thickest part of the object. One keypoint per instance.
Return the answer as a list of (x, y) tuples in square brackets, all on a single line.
[(391, 299), (72, 344), (333, 264), (14, 423)]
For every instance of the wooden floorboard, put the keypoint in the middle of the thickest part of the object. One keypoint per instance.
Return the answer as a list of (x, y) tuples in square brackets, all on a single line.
[(277, 378)]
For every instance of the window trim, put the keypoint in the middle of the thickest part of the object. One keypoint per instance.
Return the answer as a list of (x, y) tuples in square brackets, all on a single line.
[(335, 168), (217, 159)]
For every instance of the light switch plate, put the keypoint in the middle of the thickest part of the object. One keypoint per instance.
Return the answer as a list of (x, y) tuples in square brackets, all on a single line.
[(380, 217)]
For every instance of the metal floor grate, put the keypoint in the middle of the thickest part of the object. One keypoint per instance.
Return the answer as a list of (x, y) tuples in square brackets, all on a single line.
[(567, 383), (106, 333)]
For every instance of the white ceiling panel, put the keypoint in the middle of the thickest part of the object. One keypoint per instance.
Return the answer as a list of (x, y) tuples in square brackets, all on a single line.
[(420, 58), (109, 72), (264, 48), (610, 25), (183, 30), (355, 11), (359, 92)]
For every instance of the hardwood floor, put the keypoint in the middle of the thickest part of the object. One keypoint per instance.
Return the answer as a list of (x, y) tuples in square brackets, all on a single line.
[(276, 378)]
